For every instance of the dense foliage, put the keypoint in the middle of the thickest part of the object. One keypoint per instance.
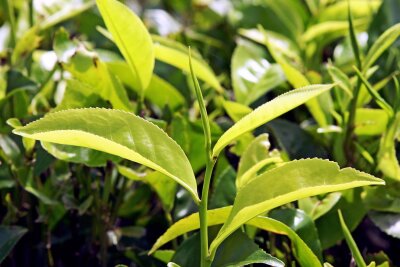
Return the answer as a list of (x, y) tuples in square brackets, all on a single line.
[(272, 140)]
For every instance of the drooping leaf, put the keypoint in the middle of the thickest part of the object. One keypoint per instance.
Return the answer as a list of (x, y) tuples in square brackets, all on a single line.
[(239, 250), (255, 157), (298, 179), (269, 111), (119, 133), (9, 236), (302, 225), (132, 39), (302, 252)]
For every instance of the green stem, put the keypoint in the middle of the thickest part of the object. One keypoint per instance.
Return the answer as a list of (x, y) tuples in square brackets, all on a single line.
[(349, 134), (11, 20), (205, 259)]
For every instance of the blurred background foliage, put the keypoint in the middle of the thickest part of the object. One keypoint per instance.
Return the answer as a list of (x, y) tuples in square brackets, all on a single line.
[(68, 206)]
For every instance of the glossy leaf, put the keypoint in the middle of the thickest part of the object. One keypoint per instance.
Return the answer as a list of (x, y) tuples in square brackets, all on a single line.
[(239, 250), (9, 236), (298, 179), (254, 158), (218, 216), (301, 224), (380, 45), (119, 133), (132, 39), (269, 111), (298, 79)]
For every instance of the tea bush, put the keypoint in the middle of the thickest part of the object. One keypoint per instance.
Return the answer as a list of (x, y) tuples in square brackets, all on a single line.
[(154, 133)]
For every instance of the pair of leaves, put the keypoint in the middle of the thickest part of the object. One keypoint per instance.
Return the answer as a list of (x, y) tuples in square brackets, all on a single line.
[(128, 136)]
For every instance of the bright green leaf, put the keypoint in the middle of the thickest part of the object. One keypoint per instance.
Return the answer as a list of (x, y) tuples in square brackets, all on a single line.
[(297, 179), (380, 45), (132, 39), (269, 111), (119, 133)]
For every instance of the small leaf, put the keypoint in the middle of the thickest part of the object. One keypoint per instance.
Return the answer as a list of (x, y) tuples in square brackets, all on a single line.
[(298, 179), (351, 243), (132, 39), (9, 236), (118, 133), (380, 45), (254, 158), (269, 111)]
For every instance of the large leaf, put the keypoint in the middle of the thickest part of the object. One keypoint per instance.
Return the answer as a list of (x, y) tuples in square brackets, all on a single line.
[(132, 39), (303, 253), (380, 45), (119, 133), (269, 111), (297, 179), (9, 236)]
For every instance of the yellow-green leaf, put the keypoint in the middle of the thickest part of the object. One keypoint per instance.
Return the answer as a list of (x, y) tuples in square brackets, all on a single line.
[(119, 133), (131, 37), (297, 179), (269, 111)]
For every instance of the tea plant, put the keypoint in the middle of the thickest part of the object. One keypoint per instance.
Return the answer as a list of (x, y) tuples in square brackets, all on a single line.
[(124, 113)]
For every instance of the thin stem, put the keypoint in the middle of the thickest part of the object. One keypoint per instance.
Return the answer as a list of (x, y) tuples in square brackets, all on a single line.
[(205, 259), (11, 20)]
